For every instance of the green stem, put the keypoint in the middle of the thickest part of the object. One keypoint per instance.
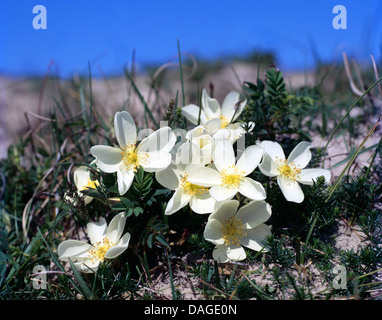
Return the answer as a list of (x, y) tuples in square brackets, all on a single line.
[(181, 72), (308, 236)]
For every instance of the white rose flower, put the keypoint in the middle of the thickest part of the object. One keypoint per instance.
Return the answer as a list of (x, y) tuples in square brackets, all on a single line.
[(176, 177), (290, 171), (231, 229), (229, 177), (152, 153), (212, 116), (107, 242)]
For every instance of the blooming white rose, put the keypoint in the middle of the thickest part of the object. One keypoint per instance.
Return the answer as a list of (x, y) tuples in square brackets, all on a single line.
[(176, 177), (212, 116), (152, 153), (228, 177), (231, 229), (290, 171), (107, 242)]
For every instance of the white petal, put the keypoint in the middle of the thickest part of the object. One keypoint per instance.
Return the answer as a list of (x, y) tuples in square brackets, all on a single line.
[(87, 266), (108, 159), (252, 189), (213, 125), (268, 166), (255, 237), (210, 106), (225, 211), (205, 177), (116, 227), (191, 113), (81, 176), (273, 149), (96, 230), (88, 199), (220, 193), (250, 159), (168, 178), (240, 110), (231, 106), (125, 129), (203, 203), (222, 134), (121, 246), (235, 131), (196, 132), (301, 155), (307, 176), (188, 152), (73, 249), (229, 253), (179, 200), (156, 160), (223, 155), (291, 190), (213, 232), (206, 157), (125, 179), (162, 139), (254, 213)]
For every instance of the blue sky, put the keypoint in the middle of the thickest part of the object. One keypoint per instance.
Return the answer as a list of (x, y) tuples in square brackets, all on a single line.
[(105, 33)]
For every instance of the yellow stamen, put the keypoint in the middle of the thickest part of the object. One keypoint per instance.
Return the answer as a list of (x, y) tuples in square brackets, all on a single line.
[(224, 122), (233, 231), (91, 184), (100, 248), (131, 158), (287, 170), (231, 177), (190, 188)]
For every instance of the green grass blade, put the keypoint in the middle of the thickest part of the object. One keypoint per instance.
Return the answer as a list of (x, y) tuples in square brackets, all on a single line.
[(147, 109), (86, 292), (181, 74)]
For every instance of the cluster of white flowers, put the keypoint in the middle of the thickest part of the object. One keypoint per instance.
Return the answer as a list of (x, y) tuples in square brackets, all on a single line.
[(204, 173)]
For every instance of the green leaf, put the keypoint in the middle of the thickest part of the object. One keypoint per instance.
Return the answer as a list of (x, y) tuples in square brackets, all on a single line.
[(162, 240)]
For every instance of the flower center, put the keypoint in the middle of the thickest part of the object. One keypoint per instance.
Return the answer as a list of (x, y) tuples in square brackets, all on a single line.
[(231, 177), (224, 122), (100, 248), (131, 158), (287, 170), (190, 188), (233, 231), (91, 184)]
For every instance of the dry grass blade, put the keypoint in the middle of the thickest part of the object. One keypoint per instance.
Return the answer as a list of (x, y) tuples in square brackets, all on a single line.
[(351, 160)]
